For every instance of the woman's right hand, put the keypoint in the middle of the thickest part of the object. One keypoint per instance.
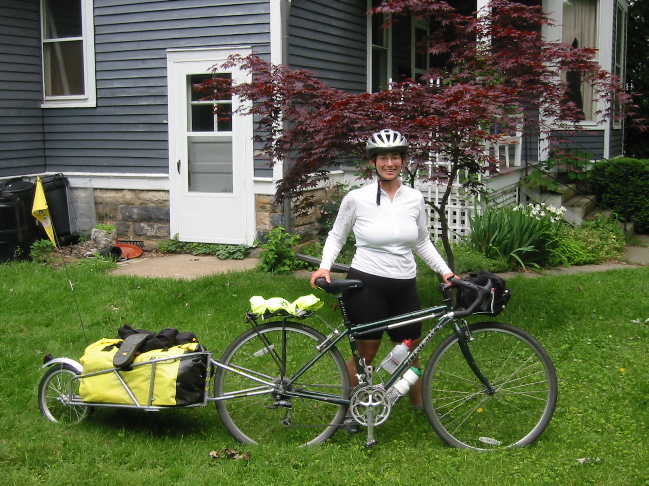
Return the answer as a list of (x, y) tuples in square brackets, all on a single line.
[(320, 272)]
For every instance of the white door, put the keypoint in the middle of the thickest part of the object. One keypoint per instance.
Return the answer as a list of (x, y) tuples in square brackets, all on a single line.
[(210, 155)]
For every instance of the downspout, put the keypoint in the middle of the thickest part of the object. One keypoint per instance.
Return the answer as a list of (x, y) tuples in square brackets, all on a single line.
[(280, 13)]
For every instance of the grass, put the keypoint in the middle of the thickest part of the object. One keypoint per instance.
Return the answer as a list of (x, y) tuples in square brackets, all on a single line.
[(595, 326)]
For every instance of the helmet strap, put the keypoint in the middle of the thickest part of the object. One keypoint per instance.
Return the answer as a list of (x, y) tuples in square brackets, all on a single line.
[(378, 185)]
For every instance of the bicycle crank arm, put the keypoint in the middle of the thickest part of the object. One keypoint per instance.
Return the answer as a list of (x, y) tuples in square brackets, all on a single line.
[(371, 441)]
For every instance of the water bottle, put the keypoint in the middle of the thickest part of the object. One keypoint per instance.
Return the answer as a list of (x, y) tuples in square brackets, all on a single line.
[(401, 387), (396, 356)]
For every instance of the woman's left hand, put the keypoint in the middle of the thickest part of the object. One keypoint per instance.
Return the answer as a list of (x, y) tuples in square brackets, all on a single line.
[(448, 277)]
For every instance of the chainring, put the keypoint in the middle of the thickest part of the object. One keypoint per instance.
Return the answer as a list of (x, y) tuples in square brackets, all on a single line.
[(367, 399)]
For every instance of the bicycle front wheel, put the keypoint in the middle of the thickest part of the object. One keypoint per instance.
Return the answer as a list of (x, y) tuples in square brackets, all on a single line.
[(259, 404), (465, 415)]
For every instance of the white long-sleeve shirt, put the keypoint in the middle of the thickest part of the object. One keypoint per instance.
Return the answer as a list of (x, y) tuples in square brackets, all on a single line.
[(386, 234)]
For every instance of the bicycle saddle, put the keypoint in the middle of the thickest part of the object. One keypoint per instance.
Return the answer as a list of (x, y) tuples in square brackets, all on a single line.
[(338, 285)]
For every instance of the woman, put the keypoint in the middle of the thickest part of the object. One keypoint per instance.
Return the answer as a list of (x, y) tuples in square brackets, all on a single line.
[(389, 222)]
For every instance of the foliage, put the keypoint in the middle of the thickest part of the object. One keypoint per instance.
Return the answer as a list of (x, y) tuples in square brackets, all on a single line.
[(595, 327), (224, 252), (523, 234), (105, 227), (277, 255), (493, 71), (561, 167), (594, 241), (536, 235), (41, 251), (621, 186)]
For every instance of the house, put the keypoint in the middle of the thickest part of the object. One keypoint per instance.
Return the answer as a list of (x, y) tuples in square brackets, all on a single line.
[(99, 90)]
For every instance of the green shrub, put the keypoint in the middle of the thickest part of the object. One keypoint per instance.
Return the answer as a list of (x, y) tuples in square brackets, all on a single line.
[(522, 235), (277, 255), (593, 242), (42, 251), (621, 186)]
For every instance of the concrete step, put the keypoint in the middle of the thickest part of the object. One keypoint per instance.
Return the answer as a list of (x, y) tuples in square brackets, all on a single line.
[(567, 191), (578, 207)]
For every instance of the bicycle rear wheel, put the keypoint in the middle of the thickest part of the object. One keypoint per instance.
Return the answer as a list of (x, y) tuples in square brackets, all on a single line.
[(266, 357), (462, 412)]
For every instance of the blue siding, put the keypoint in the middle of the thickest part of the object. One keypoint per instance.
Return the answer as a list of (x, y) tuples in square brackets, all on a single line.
[(127, 132), (21, 126), (616, 148), (329, 38), (590, 142)]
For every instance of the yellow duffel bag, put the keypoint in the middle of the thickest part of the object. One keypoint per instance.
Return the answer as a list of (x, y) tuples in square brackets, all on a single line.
[(178, 380)]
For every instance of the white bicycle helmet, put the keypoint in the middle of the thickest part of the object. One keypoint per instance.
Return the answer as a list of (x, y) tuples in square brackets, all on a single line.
[(386, 140)]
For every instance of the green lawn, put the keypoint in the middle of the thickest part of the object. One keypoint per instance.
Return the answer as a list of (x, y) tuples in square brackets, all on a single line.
[(595, 326)]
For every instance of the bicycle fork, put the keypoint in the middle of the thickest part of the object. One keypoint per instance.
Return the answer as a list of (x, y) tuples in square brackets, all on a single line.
[(463, 339)]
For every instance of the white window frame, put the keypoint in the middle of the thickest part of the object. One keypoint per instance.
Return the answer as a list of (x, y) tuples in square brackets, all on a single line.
[(620, 48), (591, 106), (89, 98)]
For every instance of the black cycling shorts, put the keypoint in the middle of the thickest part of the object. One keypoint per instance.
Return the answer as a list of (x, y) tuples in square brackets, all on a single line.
[(380, 298)]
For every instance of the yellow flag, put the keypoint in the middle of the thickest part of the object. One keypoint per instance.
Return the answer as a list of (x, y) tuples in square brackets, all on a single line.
[(41, 212)]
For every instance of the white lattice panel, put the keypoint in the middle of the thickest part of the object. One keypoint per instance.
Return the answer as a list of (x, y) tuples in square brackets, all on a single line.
[(460, 206)]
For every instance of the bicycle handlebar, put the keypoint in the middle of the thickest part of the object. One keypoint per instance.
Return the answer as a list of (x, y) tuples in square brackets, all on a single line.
[(481, 293)]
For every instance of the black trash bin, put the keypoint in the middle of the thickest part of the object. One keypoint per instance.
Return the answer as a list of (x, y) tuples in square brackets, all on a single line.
[(18, 195), (16, 235), (56, 194)]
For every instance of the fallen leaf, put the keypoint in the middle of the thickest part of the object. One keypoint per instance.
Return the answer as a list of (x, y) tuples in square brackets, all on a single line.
[(230, 454)]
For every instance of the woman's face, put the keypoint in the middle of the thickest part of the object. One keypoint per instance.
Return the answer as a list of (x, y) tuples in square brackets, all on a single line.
[(388, 165)]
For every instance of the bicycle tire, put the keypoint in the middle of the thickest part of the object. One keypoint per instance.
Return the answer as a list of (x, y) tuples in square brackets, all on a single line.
[(258, 419), (458, 406), (57, 384)]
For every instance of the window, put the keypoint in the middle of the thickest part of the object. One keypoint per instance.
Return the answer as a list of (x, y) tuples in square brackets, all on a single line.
[(580, 29), (68, 53), (419, 53), (208, 115), (209, 139), (379, 62)]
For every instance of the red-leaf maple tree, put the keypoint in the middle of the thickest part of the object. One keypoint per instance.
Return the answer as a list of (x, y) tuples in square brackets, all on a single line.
[(497, 71)]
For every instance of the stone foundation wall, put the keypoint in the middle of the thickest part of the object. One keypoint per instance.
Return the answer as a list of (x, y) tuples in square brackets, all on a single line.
[(145, 214), (135, 214)]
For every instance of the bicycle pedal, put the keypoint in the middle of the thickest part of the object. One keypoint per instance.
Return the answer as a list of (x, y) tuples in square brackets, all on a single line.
[(371, 443), (280, 404)]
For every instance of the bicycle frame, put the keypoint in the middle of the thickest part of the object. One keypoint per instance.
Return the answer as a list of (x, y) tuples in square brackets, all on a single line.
[(352, 331)]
